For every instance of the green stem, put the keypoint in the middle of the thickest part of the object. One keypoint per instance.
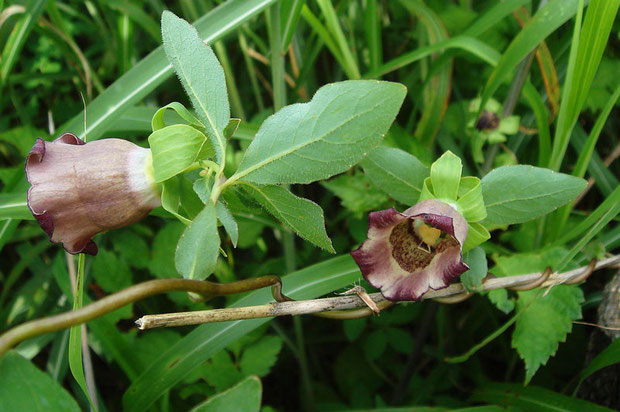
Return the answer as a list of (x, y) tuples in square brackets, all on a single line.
[(124, 297)]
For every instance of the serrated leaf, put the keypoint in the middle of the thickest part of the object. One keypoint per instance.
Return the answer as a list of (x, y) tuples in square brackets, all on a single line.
[(198, 248), (176, 147), (258, 358), (301, 215), (356, 192), (311, 141), (243, 397), (131, 247), (544, 323), (499, 297), (111, 272), (200, 73), (221, 371), (26, 388), (396, 172), (516, 194)]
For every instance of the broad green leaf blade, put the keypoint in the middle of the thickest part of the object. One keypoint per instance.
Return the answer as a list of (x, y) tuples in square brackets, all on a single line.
[(396, 172), (243, 397), (26, 388), (609, 356), (151, 71), (311, 141), (551, 16), (13, 206), (531, 399), (206, 340), (199, 245), (516, 194), (201, 75), (301, 215), (175, 148)]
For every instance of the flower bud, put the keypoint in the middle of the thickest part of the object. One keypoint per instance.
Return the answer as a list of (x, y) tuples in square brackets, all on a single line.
[(80, 189)]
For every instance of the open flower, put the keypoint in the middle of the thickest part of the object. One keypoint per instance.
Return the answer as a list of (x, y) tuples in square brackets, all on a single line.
[(80, 189), (408, 253)]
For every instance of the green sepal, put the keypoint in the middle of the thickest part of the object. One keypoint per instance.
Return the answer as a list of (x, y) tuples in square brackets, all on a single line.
[(476, 235), (175, 148), (446, 176), (171, 198), (471, 202), (158, 118), (509, 125), (427, 190)]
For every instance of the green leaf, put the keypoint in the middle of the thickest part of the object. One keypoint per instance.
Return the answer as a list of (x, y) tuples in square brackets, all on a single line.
[(164, 247), (231, 128), (446, 176), (111, 272), (306, 142), (131, 247), (301, 215), (206, 340), (154, 69), (609, 356), (545, 322), (13, 206), (175, 148), (356, 192), (259, 358), (228, 221), (477, 261), (516, 194), (26, 388), (198, 247), (221, 372), (396, 172), (158, 118), (531, 399), (201, 75), (243, 397)]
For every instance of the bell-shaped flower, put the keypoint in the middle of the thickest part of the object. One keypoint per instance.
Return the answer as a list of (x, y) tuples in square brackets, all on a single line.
[(80, 189), (408, 253)]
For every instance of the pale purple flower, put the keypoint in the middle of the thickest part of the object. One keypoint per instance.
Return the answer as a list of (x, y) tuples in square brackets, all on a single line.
[(80, 189), (408, 253)]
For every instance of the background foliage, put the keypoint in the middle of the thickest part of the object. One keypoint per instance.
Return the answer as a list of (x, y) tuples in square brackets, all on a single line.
[(455, 58)]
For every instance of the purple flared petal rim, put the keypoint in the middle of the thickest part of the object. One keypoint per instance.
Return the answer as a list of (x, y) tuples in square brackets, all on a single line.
[(45, 219)]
